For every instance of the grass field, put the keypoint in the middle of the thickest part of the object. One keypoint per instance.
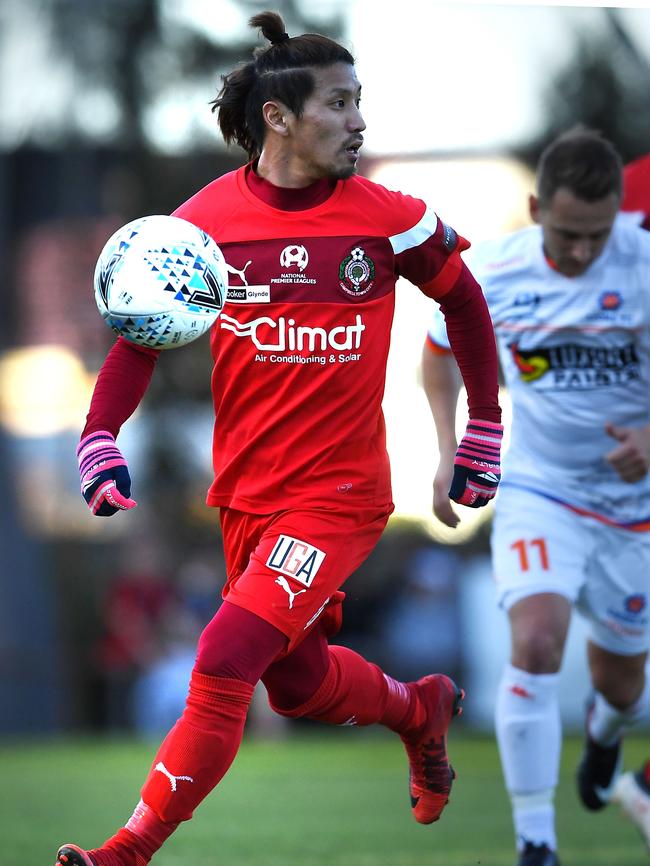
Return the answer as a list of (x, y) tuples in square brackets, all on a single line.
[(333, 800)]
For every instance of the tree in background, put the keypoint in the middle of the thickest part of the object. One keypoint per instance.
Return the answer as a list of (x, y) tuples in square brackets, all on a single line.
[(605, 86)]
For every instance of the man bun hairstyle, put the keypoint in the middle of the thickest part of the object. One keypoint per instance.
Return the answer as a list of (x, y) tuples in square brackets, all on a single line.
[(582, 161), (280, 71)]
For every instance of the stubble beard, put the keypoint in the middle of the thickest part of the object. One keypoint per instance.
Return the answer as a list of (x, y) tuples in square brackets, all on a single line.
[(345, 173)]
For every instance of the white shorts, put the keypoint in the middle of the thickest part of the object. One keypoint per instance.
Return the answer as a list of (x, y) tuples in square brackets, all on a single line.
[(541, 546)]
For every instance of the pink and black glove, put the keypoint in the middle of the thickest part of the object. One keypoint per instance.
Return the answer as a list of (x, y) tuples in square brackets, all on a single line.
[(105, 479), (477, 465)]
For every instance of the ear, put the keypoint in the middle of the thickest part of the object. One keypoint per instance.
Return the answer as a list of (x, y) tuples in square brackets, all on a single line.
[(275, 114), (534, 208)]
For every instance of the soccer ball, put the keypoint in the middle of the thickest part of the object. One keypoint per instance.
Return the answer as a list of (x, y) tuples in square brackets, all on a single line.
[(160, 282)]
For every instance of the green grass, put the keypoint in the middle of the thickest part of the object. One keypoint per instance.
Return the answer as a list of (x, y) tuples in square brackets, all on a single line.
[(333, 800)]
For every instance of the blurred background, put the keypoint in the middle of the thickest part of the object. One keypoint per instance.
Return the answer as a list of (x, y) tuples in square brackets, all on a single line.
[(104, 117)]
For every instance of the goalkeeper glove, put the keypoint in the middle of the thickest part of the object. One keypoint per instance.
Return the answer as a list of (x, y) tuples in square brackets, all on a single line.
[(105, 479), (477, 465)]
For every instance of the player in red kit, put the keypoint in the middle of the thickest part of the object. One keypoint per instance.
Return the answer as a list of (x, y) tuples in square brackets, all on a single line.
[(302, 479)]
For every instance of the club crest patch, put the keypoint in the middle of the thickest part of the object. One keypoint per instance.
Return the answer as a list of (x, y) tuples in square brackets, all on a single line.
[(610, 300), (357, 273)]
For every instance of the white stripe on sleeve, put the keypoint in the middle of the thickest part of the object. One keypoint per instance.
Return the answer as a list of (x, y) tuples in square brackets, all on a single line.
[(416, 235)]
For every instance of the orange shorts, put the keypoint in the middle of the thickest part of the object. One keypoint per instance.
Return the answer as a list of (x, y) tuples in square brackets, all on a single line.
[(287, 567)]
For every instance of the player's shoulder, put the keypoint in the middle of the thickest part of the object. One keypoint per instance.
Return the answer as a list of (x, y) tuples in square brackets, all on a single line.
[(212, 202), (630, 241), (507, 255), (397, 211)]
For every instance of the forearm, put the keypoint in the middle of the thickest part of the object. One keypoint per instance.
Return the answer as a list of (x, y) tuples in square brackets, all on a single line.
[(121, 384), (441, 381), (471, 338)]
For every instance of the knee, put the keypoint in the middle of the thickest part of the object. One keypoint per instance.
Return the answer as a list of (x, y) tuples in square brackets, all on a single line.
[(238, 645), (537, 653), (620, 690)]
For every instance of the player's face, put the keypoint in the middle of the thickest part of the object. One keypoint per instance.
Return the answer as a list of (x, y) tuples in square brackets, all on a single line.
[(574, 231), (325, 140)]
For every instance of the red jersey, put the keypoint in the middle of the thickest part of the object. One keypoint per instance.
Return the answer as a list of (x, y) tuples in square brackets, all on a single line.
[(636, 188), (301, 346)]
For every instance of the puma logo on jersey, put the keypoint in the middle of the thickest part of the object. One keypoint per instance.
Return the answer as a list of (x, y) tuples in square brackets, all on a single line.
[(241, 274), (161, 768), (284, 583), (246, 294)]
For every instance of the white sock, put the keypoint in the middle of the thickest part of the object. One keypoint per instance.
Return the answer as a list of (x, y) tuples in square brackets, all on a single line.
[(534, 819), (608, 724), (530, 738)]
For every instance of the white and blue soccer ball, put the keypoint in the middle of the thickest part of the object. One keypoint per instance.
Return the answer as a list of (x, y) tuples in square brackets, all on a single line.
[(160, 281)]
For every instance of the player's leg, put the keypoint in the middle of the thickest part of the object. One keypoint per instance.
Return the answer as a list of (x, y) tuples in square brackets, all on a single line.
[(632, 793), (538, 566), (527, 719), (356, 692), (234, 650), (335, 685), (310, 552), (620, 700), (615, 601)]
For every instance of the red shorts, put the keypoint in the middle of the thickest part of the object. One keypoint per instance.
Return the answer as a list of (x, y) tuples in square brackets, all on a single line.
[(287, 567)]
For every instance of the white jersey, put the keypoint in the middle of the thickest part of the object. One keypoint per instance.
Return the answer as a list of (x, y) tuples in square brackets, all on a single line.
[(575, 353)]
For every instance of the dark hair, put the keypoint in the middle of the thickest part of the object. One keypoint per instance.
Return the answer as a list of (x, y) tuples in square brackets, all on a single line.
[(282, 71), (582, 161)]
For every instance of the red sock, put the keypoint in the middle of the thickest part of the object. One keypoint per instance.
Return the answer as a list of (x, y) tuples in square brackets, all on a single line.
[(356, 692), (192, 760)]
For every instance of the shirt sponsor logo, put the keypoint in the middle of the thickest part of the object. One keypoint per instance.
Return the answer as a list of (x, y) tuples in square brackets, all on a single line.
[(577, 368), (296, 559), (248, 294), (282, 335)]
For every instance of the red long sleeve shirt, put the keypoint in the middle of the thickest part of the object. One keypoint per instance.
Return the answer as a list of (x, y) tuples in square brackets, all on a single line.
[(301, 346)]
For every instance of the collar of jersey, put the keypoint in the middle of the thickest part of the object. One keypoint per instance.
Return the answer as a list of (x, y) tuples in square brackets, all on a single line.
[(291, 202)]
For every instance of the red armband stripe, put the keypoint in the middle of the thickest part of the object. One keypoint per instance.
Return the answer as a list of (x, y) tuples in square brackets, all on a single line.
[(445, 279)]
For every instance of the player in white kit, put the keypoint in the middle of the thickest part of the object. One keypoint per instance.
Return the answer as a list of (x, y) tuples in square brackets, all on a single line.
[(632, 791), (570, 304)]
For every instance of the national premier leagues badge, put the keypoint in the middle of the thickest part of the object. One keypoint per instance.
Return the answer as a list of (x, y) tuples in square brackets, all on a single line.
[(356, 273)]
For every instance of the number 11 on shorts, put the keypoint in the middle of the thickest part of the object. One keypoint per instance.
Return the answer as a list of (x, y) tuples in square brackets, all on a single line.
[(526, 549)]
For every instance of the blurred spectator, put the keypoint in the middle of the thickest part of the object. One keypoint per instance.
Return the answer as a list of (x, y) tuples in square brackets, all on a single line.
[(419, 631), (135, 606), (158, 694)]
